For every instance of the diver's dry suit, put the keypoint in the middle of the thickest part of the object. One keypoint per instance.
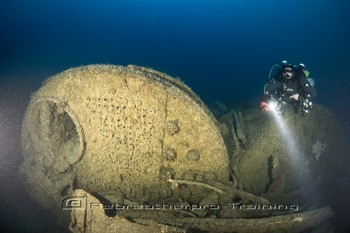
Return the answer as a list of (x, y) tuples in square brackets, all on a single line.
[(282, 87)]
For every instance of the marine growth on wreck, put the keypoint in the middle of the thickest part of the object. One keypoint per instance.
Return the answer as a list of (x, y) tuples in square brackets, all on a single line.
[(129, 149)]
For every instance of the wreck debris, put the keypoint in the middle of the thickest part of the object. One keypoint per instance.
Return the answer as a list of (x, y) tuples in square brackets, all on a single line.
[(229, 191), (103, 125), (279, 175), (235, 123), (292, 223), (317, 149), (125, 133), (175, 184), (92, 219), (239, 127)]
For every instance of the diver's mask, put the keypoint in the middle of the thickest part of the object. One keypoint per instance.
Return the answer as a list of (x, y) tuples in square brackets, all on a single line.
[(288, 73)]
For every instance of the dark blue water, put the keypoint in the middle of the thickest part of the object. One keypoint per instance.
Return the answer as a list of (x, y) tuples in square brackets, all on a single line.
[(223, 49)]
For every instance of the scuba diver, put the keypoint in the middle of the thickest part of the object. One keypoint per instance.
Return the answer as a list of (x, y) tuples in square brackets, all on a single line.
[(290, 85)]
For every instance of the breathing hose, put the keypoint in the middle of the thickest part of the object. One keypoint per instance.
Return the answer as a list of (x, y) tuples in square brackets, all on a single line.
[(275, 65)]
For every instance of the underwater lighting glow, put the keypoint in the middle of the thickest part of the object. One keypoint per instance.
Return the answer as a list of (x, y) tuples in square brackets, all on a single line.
[(288, 138), (297, 162), (273, 106)]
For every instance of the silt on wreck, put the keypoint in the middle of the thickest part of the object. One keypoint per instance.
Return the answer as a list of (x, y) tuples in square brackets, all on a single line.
[(135, 136)]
